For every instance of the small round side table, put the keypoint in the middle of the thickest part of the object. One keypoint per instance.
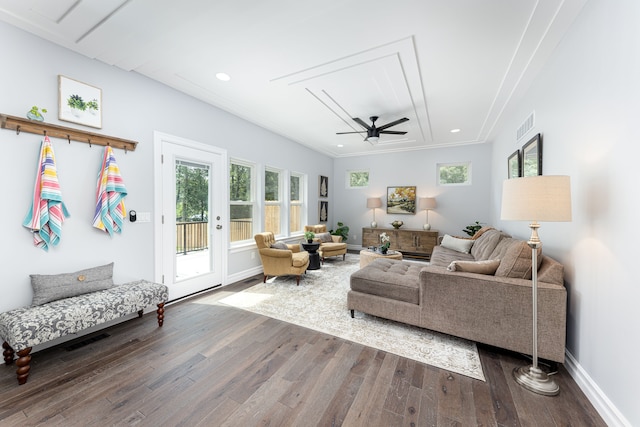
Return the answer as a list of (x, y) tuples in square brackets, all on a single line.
[(367, 256), (314, 256)]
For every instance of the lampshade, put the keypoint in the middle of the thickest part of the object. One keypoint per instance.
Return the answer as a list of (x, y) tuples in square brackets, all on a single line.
[(537, 198), (374, 202), (425, 203)]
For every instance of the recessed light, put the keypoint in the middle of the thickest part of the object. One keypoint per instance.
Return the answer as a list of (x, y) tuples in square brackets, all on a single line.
[(454, 130), (340, 145), (223, 76)]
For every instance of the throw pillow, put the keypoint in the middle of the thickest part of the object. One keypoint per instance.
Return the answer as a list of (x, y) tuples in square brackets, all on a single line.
[(516, 261), (280, 245), (324, 237), (47, 288), (456, 244), (481, 267)]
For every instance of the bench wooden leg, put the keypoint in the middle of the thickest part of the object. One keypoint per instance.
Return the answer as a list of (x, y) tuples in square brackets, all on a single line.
[(160, 312), (8, 353), (24, 365), (140, 313)]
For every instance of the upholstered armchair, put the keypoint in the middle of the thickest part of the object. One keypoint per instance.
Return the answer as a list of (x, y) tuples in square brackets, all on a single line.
[(288, 260), (330, 245)]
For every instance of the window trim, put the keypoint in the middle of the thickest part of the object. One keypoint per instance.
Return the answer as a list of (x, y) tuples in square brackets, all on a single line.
[(348, 173), (468, 165), (252, 200)]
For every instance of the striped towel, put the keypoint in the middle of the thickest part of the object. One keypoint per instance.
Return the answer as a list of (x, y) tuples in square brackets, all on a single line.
[(110, 193), (47, 212)]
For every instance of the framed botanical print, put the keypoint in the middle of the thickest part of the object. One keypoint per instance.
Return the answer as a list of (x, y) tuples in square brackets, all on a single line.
[(514, 167), (323, 211), (79, 102), (532, 157), (323, 186), (401, 200)]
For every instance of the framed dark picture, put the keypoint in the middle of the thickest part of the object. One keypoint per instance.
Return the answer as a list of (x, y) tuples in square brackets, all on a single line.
[(323, 211), (401, 200), (532, 157), (323, 186), (514, 168)]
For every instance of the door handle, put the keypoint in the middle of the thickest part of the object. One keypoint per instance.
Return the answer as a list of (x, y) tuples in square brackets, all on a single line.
[(218, 227)]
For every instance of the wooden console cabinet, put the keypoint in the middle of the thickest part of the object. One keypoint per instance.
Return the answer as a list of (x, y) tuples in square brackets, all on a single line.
[(412, 243)]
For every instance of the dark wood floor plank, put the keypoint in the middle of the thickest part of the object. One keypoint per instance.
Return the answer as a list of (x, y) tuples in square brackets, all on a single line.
[(211, 364)]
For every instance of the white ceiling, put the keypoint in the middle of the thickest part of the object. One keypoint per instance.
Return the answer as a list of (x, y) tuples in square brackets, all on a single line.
[(303, 68)]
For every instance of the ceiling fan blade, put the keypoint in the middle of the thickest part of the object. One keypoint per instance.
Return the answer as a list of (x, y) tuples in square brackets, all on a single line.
[(388, 125), (344, 133), (394, 132), (361, 123)]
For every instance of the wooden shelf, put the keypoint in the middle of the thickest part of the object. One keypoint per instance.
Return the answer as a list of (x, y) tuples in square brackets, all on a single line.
[(70, 134)]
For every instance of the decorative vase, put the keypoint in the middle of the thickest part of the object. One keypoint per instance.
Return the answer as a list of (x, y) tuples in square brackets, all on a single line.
[(397, 224), (309, 241), (37, 118), (384, 251)]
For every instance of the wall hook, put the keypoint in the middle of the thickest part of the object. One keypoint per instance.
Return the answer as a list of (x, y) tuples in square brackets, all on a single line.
[(18, 130), (69, 139), (89, 143), (45, 132), (125, 149)]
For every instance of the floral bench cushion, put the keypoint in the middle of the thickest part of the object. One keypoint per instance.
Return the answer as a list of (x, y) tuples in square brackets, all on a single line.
[(29, 326)]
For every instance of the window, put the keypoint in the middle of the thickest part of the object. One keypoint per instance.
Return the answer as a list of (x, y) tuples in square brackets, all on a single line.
[(454, 173), (241, 200), (296, 202), (357, 179), (272, 200)]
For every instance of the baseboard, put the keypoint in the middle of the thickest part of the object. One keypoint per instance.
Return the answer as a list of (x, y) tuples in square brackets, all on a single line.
[(238, 277), (607, 410)]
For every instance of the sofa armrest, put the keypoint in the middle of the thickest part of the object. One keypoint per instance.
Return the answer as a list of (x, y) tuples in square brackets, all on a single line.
[(494, 310), (336, 239)]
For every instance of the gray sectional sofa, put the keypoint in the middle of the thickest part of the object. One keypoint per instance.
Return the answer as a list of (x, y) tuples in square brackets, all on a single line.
[(494, 308)]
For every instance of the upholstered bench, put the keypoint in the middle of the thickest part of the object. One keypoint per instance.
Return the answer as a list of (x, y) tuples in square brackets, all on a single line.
[(23, 328)]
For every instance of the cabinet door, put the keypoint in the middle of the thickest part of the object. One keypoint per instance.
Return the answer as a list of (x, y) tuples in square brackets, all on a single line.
[(370, 237), (405, 240), (426, 241)]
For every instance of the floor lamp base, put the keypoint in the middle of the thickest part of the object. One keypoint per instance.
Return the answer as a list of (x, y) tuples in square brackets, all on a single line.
[(536, 380)]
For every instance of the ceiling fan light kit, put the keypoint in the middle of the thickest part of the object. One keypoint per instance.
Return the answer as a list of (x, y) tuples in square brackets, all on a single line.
[(373, 132)]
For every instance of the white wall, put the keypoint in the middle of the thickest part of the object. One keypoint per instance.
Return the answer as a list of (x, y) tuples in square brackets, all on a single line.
[(587, 104), (134, 107), (457, 207)]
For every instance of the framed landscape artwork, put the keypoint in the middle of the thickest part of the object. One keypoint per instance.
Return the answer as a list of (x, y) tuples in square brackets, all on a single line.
[(513, 165), (79, 102), (532, 157), (401, 200)]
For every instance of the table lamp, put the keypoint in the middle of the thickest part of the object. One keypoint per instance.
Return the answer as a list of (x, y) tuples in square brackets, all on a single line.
[(373, 203), (426, 204)]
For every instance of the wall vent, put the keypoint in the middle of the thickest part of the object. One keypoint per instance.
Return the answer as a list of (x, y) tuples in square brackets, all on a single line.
[(526, 126)]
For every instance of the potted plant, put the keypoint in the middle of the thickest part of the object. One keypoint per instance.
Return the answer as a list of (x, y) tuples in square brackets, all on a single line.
[(385, 239), (342, 230), (36, 114), (309, 235), (473, 228)]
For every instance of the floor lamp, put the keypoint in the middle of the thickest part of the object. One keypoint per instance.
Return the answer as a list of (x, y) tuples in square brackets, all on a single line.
[(373, 203), (536, 198), (426, 204)]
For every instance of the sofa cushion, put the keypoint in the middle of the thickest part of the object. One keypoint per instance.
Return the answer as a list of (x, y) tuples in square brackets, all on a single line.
[(324, 237), (279, 245), (516, 259), (481, 267), (485, 244), (457, 244), (442, 256), (47, 288), (300, 259), (387, 278)]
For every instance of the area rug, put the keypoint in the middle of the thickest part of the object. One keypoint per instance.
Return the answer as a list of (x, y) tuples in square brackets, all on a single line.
[(320, 303)]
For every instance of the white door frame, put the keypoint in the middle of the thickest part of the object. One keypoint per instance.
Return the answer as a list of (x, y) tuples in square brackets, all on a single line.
[(158, 139)]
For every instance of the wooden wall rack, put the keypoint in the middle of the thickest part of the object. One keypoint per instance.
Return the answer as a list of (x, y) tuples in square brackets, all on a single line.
[(70, 134)]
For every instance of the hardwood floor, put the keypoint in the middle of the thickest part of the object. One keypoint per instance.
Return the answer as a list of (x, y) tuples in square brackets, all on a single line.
[(212, 365)]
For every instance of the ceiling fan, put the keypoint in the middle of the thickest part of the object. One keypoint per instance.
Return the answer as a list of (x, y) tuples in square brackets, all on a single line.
[(373, 132)]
